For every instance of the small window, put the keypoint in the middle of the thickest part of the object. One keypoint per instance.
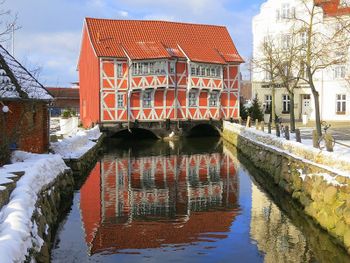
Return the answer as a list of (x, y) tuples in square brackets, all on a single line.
[(119, 70), (192, 99), (172, 67), (147, 99), (213, 99), (193, 71), (268, 101), (285, 104), (120, 101), (341, 103)]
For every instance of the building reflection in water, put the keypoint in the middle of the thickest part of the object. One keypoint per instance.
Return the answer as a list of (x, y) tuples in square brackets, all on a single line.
[(275, 235), (156, 201)]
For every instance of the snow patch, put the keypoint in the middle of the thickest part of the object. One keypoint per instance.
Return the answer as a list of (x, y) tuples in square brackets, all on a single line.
[(76, 146), (17, 232)]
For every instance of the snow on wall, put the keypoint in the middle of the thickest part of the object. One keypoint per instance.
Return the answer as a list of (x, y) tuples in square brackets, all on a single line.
[(338, 162), (76, 146), (18, 233)]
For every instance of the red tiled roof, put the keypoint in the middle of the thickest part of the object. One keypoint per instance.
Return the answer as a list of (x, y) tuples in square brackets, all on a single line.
[(333, 7), (142, 39)]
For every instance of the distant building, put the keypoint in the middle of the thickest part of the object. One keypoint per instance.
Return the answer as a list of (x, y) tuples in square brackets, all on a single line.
[(246, 90), (65, 98), (138, 71), (24, 103), (331, 83)]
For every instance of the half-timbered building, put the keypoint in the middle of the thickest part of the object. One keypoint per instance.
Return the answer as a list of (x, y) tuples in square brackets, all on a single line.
[(148, 71)]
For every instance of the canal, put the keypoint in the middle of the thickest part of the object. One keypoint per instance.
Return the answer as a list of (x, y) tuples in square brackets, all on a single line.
[(193, 200)]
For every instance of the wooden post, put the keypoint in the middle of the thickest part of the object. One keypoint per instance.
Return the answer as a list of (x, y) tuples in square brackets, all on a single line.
[(329, 142), (286, 132), (315, 139), (269, 127), (297, 135), (262, 126), (257, 124), (248, 122), (278, 132), (240, 121)]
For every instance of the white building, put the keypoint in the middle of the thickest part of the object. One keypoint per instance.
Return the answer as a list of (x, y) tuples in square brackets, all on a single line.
[(332, 83)]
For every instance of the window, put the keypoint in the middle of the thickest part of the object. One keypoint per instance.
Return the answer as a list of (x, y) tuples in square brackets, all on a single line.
[(119, 70), (344, 3), (303, 38), (285, 12), (206, 70), (149, 68), (192, 99), (268, 101), (120, 101), (339, 72), (285, 41), (285, 104), (213, 99), (341, 103), (147, 99), (172, 67)]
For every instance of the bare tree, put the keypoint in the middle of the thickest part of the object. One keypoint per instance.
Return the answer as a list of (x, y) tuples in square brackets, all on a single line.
[(280, 59), (326, 44)]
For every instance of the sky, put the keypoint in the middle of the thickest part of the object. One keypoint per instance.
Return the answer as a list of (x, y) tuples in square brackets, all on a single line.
[(50, 30)]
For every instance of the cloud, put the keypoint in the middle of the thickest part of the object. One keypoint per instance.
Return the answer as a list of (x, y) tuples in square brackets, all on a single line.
[(51, 30)]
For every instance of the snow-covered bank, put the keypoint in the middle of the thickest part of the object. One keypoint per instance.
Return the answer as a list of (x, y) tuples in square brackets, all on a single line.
[(77, 145), (17, 232), (338, 162)]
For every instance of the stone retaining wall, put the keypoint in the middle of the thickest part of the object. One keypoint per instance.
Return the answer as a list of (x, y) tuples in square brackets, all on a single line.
[(323, 193), (52, 204)]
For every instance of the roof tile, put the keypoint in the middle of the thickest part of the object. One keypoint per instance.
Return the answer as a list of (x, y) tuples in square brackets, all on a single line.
[(142, 39)]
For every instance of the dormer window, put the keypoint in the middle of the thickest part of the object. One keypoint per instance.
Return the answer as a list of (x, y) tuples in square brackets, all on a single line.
[(203, 70), (149, 68)]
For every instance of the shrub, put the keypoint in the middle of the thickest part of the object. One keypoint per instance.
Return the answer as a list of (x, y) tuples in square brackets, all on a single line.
[(255, 111)]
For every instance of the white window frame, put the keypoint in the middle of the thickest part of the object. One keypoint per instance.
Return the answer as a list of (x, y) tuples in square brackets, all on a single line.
[(285, 103), (119, 70), (268, 100), (340, 103), (120, 100), (206, 70), (213, 100), (339, 72), (146, 68), (193, 99), (147, 99)]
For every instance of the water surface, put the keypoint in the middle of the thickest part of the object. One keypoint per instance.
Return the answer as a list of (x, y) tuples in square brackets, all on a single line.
[(186, 201)]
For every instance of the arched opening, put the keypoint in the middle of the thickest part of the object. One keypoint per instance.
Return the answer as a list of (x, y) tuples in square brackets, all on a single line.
[(204, 130), (135, 133)]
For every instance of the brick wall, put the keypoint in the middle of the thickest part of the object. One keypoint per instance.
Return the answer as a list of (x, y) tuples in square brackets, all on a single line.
[(27, 125)]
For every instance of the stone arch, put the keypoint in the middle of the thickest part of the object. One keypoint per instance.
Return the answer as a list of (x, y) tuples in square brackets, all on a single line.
[(203, 130), (136, 133)]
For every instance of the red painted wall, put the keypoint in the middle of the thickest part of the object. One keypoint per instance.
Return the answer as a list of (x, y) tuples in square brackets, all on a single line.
[(31, 121), (89, 82)]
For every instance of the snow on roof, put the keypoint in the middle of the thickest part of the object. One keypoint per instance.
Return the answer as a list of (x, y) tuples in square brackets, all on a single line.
[(16, 82)]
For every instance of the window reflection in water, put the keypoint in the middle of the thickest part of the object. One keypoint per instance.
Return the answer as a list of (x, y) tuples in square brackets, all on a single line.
[(149, 202)]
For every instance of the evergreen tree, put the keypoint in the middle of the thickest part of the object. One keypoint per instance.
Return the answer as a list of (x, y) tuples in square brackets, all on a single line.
[(243, 112), (255, 111)]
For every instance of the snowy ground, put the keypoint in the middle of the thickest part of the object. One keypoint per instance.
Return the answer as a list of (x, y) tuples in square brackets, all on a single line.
[(337, 162), (76, 146), (17, 232)]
